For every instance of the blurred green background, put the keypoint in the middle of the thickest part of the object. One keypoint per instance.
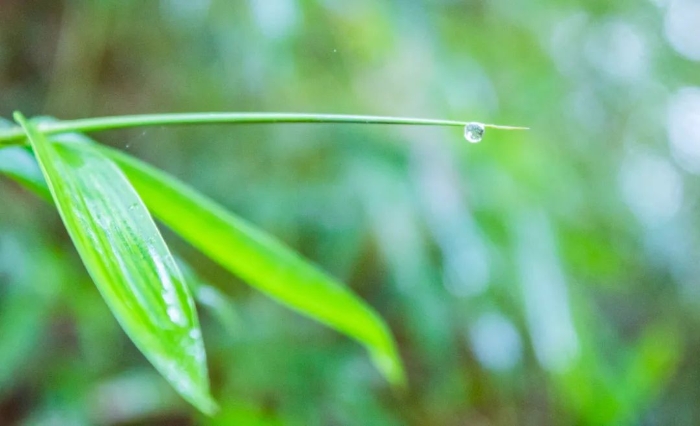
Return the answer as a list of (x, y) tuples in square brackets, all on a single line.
[(549, 277)]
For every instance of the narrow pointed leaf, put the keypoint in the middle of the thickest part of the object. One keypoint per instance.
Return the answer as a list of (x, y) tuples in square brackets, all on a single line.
[(18, 163), (261, 261), (211, 299), (128, 260)]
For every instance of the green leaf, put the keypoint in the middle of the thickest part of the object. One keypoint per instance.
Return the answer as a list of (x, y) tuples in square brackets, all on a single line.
[(261, 261), (128, 260), (18, 163), (216, 303), (256, 257)]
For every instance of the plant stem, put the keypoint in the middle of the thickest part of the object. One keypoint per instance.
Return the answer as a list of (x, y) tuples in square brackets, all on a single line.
[(15, 135)]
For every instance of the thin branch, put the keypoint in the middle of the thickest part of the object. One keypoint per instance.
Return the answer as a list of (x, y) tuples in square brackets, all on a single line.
[(15, 136)]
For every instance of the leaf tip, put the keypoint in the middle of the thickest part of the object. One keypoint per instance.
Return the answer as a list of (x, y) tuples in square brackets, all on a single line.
[(207, 405), (390, 366), (19, 118)]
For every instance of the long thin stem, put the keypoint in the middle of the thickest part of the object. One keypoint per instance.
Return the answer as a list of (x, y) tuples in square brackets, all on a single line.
[(15, 135)]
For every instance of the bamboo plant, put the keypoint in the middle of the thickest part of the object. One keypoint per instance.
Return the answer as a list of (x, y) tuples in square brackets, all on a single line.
[(107, 201)]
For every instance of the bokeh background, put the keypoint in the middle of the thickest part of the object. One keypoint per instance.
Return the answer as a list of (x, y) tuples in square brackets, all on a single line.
[(548, 277)]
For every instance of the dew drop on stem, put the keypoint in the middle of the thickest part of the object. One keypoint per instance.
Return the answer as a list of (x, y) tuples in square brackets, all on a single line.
[(474, 132)]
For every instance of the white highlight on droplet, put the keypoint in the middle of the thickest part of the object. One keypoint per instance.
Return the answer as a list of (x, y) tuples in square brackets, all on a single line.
[(474, 132), (175, 315)]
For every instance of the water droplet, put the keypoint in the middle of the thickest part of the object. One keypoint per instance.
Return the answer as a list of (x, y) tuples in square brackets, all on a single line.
[(474, 132), (176, 315)]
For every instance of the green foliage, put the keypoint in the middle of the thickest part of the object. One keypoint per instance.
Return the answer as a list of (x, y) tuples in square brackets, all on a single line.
[(128, 260), (546, 277), (262, 261), (134, 270)]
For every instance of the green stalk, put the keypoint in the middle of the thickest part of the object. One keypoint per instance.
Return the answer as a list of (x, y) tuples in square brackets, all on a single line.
[(15, 135)]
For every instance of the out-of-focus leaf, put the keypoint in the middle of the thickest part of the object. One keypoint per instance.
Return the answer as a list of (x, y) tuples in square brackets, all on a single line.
[(18, 163), (132, 397), (219, 305), (256, 257), (127, 258), (241, 413), (22, 320), (261, 261), (652, 363), (206, 295)]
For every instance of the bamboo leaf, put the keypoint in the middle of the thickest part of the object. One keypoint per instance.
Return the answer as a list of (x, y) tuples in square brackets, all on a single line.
[(261, 261), (127, 258), (211, 299), (14, 135), (19, 164)]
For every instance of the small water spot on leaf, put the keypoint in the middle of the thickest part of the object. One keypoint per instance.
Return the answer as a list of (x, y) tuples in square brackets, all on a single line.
[(176, 315), (474, 132)]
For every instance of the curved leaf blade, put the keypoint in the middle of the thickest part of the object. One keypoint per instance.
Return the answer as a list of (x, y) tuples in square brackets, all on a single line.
[(261, 261), (19, 164), (127, 258)]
